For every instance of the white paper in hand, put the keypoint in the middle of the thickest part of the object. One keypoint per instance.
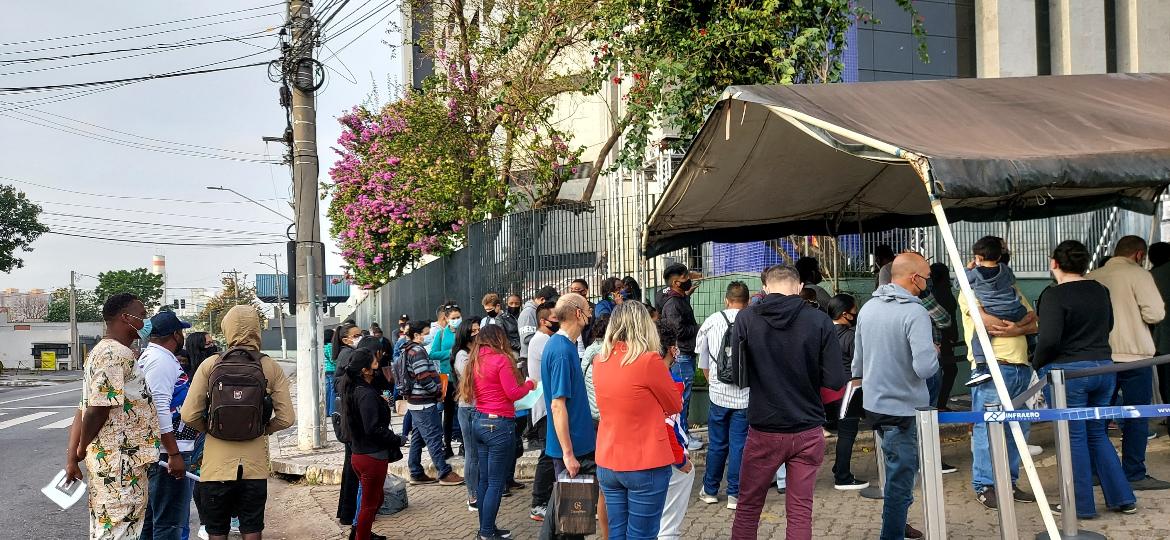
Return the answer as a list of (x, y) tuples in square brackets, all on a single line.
[(528, 401), (63, 492)]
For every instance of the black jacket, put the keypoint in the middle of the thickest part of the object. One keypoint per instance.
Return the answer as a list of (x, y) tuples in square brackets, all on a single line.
[(792, 351), (510, 326), (677, 312), (369, 421)]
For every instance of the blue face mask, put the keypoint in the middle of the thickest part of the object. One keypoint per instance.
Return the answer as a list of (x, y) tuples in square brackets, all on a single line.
[(454, 323), (144, 332)]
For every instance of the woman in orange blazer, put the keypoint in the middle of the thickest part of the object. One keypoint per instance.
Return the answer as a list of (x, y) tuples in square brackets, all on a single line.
[(635, 393)]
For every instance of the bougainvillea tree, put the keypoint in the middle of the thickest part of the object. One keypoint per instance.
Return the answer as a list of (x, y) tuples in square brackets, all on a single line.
[(674, 59)]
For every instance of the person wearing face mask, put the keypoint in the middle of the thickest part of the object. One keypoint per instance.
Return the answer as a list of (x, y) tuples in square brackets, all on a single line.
[(496, 314), (169, 504), (115, 430), (675, 305), (441, 352), (366, 424), (542, 483), (894, 355), (515, 304), (613, 293), (843, 310), (345, 338), (423, 392)]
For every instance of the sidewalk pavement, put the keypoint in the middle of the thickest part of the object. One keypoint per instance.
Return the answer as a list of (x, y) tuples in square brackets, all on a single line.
[(440, 513), (37, 377)]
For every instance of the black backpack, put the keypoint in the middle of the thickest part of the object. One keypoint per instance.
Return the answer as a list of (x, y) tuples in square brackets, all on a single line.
[(724, 371), (238, 404)]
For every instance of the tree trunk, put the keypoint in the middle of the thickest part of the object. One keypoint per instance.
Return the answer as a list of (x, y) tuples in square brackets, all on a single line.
[(620, 128)]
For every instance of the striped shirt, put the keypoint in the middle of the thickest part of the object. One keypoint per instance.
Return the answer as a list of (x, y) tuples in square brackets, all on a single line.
[(707, 345)]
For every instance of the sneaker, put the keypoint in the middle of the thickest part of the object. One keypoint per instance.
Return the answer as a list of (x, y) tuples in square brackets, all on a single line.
[(911, 532), (503, 533), (781, 490), (987, 497), (202, 534), (451, 479), (538, 512), (732, 502), (1035, 450), (235, 525), (420, 480), (977, 379), (1153, 435), (473, 506), (506, 493), (1130, 508), (1020, 495), (512, 484), (709, 499), (1149, 483), (948, 468), (695, 445), (852, 485)]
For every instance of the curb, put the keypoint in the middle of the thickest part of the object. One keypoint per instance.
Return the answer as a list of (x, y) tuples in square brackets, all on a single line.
[(25, 384)]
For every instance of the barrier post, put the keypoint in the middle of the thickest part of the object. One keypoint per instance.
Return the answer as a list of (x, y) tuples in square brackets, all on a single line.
[(874, 491), (1068, 502), (929, 460), (1004, 499)]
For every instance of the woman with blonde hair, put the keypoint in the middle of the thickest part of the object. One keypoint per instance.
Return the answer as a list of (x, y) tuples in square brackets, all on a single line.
[(635, 394), (492, 383)]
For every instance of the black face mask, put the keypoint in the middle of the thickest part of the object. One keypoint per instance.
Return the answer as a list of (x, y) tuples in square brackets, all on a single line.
[(211, 349), (554, 327), (685, 285), (515, 311), (492, 313), (926, 291)]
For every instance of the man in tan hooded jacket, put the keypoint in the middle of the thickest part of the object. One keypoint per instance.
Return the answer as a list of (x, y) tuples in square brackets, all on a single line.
[(234, 474)]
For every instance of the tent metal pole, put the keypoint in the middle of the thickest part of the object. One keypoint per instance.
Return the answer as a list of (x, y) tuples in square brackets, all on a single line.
[(922, 166)]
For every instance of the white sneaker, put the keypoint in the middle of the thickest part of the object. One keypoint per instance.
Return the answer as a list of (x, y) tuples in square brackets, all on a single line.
[(235, 525), (732, 502), (709, 499), (695, 444), (203, 533), (1035, 450)]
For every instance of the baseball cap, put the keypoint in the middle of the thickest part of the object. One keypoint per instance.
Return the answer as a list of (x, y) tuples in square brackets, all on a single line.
[(165, 323)]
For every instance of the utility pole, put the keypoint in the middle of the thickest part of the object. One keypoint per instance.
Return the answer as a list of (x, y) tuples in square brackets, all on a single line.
[(235, 284), (301, 82), (74, 346)]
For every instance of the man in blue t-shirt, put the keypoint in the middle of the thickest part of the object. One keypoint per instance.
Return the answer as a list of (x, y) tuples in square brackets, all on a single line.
[(571, 439)]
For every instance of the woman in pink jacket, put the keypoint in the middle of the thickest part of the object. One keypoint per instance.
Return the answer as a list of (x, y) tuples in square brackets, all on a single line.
[(493, 384)]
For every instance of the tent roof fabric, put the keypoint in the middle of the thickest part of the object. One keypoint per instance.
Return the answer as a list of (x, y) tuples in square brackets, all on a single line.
[(805, 159)]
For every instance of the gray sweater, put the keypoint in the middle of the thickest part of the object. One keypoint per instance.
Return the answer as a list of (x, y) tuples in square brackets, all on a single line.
[(893, 352)]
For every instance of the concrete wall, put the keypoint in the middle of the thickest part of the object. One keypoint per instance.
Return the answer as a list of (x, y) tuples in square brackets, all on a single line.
[(16, 339)]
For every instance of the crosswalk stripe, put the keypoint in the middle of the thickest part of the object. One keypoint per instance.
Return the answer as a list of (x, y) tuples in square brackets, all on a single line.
[(22, 419), (59, 424)]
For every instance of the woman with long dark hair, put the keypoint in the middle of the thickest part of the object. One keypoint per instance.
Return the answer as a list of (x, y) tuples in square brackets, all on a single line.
[(464, 337), (493, 384), (344, 339), (199, 346), (366, 422)]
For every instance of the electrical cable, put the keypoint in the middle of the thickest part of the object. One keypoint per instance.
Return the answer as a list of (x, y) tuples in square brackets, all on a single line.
[(65, 217), (325, 26), (171, 214), (101, 32), (131, 197), (219, 38), (359, 36), (156, 236), (128, 79), (148, 242), (124, 38), (370, 14)]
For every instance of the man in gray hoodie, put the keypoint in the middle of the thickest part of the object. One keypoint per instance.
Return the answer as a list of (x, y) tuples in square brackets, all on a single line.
[(894, 355)]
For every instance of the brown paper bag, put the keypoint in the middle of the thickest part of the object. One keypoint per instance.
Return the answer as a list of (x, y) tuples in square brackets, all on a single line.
[(576, 504)]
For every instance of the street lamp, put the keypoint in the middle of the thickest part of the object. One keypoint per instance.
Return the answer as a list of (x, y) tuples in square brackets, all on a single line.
[(279, 305), (249, 199)]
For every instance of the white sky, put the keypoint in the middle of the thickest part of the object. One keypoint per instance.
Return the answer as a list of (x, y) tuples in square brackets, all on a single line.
[(231, 110)]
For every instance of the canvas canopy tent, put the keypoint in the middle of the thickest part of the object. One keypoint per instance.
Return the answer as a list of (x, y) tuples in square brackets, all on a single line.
[(839, 158)]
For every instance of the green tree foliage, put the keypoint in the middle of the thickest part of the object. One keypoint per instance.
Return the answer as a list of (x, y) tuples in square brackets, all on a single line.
[(676, 58), (229, 296), (19, 227), (88, 307), (140, 282)]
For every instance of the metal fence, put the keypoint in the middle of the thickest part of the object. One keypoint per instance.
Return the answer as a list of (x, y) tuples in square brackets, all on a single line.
[(523, 251)]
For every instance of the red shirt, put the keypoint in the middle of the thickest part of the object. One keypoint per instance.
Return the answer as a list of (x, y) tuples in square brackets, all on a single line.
[(496, 387), (634, 402)]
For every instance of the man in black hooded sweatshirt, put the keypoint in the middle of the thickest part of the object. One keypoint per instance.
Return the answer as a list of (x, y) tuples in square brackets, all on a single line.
[(791, 351)]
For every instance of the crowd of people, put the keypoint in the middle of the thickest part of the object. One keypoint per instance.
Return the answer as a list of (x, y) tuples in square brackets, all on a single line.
[(602, 390)]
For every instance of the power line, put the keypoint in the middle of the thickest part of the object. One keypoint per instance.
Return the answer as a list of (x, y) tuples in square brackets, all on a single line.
[(192, 42), (370, 14), (102, 32), (131, 197), (128, 79), (155, 237), (325, 26), (163, 225), (138, 36), (359, 36), (171, 214), (148, 242)]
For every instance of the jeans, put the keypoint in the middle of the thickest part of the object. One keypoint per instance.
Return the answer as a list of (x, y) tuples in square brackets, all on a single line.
[(900, 451), (678, 498), (496, 446), (727, 431), (1091, 449), (934, 386), (428, 430), (372, 474), (802, 454), (1135, 387), (634, 501), (1016, 377), (684, 368), (407, 424), (470, 452), (330, 394), (168, 507)]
